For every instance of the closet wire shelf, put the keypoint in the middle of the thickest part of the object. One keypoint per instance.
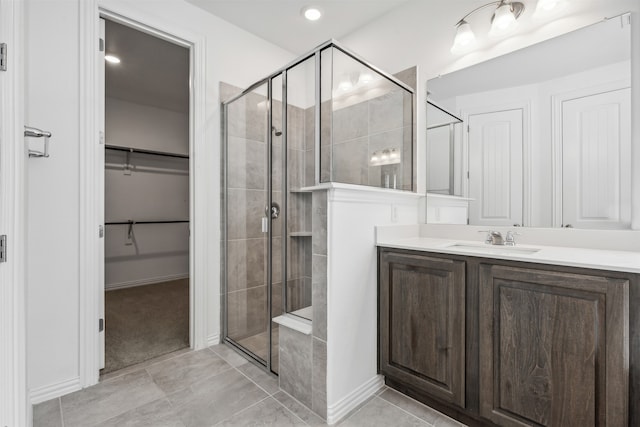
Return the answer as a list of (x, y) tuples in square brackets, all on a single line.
[(131, 223), (142, 151)]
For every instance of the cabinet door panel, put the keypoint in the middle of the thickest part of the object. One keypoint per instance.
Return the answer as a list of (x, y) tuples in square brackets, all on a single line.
[(552, 348), (422, 323)]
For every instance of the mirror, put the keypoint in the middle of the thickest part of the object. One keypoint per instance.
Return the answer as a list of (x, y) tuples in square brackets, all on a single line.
[(539, 137)]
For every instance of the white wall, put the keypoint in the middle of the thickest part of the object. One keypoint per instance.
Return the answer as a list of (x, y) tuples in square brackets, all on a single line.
[(353, 214), (151, 188), (421, 33), (134, 125), (52, 95)]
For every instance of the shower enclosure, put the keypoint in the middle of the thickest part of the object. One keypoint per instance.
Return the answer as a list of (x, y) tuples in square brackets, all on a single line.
[(327, 117)]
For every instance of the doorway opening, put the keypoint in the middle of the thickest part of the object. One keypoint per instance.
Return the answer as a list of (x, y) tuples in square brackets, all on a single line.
[(147, 302)]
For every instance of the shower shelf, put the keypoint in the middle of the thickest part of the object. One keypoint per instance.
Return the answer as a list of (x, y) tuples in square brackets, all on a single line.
[(300, 191), (300, 234)]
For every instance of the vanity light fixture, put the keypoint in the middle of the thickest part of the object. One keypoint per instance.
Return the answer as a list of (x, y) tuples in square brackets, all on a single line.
[(503, 20), (546, 8), (386, 156), (365, 77), (547, 5), (311, 13), (345, 85), (112, 59)]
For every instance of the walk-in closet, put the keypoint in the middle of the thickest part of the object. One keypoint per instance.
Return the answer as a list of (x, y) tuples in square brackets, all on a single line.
[(147, 196)]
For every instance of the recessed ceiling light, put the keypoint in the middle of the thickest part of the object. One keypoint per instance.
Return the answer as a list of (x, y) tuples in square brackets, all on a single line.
[(312, 13), (112, 58)]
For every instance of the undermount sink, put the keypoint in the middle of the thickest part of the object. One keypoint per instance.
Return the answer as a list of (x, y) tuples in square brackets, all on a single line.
[(493, 249)]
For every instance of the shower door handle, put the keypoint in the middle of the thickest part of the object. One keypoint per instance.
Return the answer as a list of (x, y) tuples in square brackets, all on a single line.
[(275, 210)]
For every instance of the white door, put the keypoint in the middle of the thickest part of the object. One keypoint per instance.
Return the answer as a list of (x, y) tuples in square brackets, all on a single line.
[(596, 161), (495, 168), (14, 405)]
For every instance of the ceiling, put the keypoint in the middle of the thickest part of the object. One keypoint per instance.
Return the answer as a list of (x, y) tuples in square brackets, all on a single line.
[(152, 71), (281, 23)]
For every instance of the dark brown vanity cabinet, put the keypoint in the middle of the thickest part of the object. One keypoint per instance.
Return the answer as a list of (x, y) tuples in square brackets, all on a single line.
[(552, 348), (422, 315), (494, 342)]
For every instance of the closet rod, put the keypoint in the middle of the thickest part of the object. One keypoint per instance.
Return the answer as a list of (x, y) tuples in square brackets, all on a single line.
[(144, 222), (140, 150)]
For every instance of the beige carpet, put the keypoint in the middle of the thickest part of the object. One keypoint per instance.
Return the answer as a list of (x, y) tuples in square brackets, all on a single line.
[(145, 322)]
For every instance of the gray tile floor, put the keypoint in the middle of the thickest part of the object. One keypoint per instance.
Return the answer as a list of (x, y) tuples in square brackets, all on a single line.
[(212, 387)]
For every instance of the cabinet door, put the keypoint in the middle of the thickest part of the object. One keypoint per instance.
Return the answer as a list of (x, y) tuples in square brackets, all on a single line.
[(553, 348), (422, 323)]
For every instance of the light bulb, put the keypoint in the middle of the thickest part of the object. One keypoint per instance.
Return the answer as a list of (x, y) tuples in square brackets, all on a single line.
[(547, 5), (311, 13), (503, 20), (345, 85), (365, 77), (112, 59), (464, 38), (546, 8)]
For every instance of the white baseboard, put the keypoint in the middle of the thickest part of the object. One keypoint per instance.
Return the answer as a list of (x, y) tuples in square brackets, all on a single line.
[(351, 401), (142, 282), (48, 392), (213, 340)]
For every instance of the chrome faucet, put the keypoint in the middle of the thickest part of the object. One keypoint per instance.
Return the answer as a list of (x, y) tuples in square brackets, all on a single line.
[(493, 237), (510, 240)]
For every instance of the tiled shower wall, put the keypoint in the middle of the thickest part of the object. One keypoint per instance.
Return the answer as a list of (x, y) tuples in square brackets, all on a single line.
[(299, 220), (247, 182), (355, 130), (247, 198)]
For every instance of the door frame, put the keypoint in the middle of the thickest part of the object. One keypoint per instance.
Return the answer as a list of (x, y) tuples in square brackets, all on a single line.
[(15, 408), (557, 102), (91, 260), (525, 106)]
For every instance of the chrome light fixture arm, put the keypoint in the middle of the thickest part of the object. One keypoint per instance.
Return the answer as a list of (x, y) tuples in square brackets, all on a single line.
[(503, 9)]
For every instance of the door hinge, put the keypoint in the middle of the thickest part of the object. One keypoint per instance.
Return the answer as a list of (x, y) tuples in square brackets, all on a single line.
[(101, 231), (101, 137), (3, 57), (468, 129), (101, 45), (3, 248), (100, 325)]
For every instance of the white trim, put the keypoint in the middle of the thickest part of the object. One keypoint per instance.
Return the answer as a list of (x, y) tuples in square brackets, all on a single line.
[(90, 259), (144, 282), (351, 401), (557, 101), (51, 391), (15, 409), (89, 219), (213, 340)]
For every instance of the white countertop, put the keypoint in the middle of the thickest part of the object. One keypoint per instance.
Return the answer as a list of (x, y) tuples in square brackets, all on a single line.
[(627, 261)]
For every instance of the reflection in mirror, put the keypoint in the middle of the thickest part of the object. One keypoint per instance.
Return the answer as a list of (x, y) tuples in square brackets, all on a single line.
[(546, 140), (443, 134), (367, 136)]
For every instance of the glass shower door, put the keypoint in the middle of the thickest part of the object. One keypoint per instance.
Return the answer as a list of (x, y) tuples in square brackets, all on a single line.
[(247, 245), (254, 225)]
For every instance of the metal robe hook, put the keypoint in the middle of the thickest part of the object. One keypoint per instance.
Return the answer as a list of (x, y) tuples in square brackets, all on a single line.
[(130, 232), (127, 163), (32, 132)]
